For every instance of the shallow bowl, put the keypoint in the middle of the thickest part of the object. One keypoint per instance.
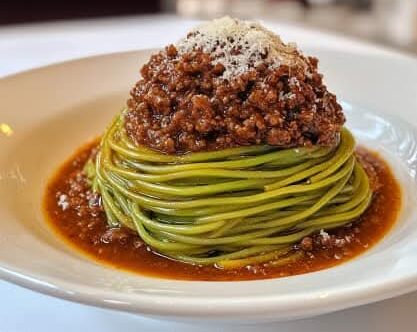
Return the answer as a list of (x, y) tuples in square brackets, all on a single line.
[(48, 112)]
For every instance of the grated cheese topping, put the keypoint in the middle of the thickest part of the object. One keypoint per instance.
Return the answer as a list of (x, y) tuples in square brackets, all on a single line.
[(63, 202), (240, 45)]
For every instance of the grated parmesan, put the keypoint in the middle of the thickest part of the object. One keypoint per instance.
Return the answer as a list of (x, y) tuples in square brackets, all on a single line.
[(324, 235), (63, 202), (240, 45)]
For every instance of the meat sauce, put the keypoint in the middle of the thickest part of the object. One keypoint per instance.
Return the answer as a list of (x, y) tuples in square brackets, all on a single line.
[(180, 105), (74, 213)]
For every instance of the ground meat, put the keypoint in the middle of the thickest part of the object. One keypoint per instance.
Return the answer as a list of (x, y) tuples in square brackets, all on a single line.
[(80, 197), (306, 243), (370, 165), (84, 208), (182, 104), (336, 243)]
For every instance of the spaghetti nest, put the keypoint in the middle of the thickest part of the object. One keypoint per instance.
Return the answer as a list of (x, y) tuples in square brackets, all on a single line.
[(232, 207)]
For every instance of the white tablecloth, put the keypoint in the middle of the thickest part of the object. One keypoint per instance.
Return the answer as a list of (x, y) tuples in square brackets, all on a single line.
[(25, 47)]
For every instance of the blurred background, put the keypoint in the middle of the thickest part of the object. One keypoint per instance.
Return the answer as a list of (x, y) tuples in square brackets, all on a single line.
[(389, 22)]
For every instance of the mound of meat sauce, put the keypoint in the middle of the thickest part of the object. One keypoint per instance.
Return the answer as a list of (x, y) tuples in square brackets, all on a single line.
[(182, 104)]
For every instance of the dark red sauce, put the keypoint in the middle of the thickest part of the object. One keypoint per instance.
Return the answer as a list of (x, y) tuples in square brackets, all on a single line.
[(82, 224)]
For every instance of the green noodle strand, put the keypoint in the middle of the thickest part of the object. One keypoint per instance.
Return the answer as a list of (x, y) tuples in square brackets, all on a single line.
[(233, 207)]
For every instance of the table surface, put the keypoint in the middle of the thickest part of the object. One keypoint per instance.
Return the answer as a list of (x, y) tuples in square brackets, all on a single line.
[(25, 47)]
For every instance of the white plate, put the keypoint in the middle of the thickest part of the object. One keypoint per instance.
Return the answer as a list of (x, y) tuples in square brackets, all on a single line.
[(55, 109)]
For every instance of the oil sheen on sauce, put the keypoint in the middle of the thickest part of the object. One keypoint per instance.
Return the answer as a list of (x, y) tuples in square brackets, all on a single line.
[(89, 234)]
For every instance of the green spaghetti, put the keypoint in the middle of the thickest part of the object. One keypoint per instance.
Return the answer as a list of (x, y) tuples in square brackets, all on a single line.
[(232, 207)]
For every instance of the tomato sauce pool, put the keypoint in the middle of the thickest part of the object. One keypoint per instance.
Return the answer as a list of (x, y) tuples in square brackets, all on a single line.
[(74, 213)]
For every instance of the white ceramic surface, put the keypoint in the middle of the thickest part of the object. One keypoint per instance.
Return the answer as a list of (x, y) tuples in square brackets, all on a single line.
[(55, 109)]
